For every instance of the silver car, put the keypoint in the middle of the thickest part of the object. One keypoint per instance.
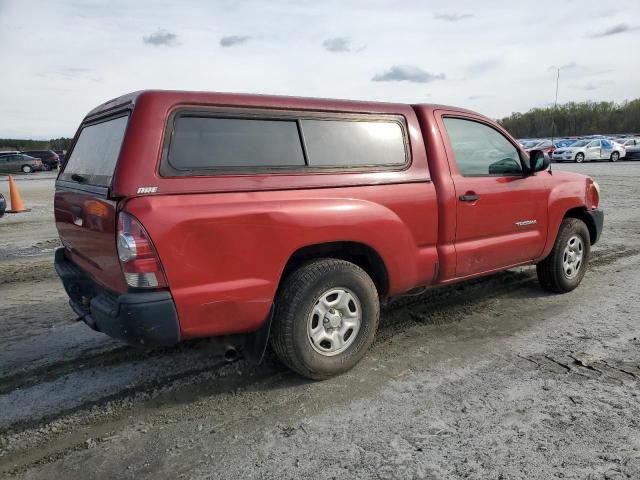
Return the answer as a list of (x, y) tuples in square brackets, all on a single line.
[(18, 162)]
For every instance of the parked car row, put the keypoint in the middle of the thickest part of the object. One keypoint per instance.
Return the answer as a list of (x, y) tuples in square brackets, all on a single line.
[(580, 149), (29, 161)]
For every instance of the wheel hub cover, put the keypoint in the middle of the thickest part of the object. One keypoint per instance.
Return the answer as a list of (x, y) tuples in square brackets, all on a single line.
[(332, 320)]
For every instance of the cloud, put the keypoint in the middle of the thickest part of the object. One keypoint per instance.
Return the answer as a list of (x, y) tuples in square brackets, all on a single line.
[(616, 29), (576, 70), (70, 73), (161, 38), (568, 66), (484, 66), (453, 17), (233, 40), (408, 73), (337, 44), (594, 85)]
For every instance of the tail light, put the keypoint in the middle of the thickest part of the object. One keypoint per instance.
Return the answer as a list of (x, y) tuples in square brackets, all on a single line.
[(140, 263)]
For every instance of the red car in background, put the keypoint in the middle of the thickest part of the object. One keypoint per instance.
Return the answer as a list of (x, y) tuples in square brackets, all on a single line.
[(544, 145)]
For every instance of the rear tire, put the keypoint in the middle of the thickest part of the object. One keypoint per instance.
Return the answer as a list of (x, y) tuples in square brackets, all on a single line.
[(615, 156), (580, 158), (319, 301), (564, 268), (27, 169)]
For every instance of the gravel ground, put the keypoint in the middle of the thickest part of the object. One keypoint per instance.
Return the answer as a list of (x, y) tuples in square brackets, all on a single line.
[(493, 378)]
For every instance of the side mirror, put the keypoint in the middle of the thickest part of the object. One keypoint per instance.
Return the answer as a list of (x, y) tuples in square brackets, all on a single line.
[(538, 161)]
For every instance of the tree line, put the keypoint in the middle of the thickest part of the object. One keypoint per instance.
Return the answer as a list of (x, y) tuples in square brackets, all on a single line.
[(62, 143), (576, 118)]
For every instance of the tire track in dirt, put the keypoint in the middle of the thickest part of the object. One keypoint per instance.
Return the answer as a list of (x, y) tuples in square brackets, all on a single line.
[(27, 270), (444, 303), (437, 306)]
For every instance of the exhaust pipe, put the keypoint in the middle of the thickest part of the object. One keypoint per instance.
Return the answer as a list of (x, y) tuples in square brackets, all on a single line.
[(230, 353)]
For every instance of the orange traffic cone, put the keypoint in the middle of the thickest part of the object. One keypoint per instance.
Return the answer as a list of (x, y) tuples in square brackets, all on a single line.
[(16, 202)]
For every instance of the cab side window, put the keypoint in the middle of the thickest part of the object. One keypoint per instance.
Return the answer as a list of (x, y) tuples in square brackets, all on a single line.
[(481, 150)]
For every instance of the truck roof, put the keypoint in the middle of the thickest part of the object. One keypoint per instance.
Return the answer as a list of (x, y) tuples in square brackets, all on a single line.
[(259, 100)]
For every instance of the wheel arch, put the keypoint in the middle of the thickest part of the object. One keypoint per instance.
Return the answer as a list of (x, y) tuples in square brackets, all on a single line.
[(360, 254), (581, 214)]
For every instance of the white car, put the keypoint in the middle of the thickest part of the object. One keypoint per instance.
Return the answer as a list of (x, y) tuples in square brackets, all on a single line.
[(599, 149), (627, 142)]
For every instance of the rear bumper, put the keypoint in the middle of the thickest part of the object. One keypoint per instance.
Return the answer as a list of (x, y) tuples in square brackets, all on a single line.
[(597, 216), (147, 318)]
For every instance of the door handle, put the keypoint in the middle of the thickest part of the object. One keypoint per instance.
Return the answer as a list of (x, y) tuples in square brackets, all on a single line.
[(469, 197)]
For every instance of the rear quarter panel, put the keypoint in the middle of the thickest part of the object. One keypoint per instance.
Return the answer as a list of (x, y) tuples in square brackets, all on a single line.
[(224, 240), (224, 254)]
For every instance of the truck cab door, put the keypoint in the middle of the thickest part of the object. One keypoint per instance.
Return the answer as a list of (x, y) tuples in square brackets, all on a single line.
[(593, 150), (501, 210)]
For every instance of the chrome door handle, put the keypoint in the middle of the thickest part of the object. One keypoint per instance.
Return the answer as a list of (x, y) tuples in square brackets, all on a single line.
[(469, 197)]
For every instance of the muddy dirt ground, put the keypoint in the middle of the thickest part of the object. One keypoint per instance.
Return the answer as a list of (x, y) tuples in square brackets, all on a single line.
[(490, 379)]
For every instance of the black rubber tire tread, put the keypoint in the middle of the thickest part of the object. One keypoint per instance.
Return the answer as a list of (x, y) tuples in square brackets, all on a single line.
[(298, 294), (550, 272)]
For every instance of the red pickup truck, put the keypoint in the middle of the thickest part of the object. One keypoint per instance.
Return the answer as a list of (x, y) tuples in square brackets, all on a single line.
[(190, 214)]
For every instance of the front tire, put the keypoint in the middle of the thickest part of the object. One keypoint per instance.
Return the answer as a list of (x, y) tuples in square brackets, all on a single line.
[(615, 156), (564, 268), (580, 158), (27, 169), (326, 318)]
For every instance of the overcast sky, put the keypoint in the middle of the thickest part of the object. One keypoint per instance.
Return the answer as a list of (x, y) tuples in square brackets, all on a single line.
[(59, 59)]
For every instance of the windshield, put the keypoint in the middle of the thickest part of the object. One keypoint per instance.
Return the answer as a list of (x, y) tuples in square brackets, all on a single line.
[(94, 156), (530, 144)]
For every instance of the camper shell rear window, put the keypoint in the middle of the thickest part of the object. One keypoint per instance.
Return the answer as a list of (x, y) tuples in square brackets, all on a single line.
[(95, 154)]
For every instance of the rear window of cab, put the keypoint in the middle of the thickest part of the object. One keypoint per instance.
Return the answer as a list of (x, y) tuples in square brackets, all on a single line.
[(203, 143)]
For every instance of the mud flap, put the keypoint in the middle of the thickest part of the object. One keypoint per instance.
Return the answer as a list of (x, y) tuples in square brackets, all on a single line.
[(255, 343)]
